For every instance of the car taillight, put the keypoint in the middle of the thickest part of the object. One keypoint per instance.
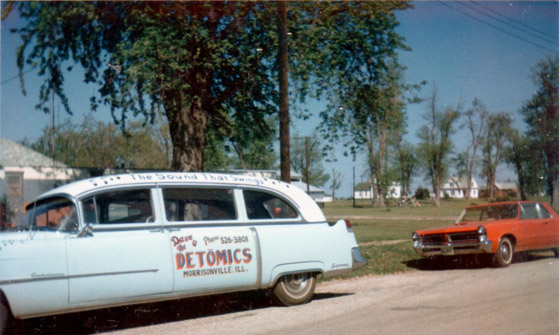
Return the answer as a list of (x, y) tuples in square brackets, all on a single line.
[(348, 226)]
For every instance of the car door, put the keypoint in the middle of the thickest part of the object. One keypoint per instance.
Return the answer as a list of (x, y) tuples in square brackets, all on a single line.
[(212, 250), (534, 226), (550, 229), (33, 270), (127, 256)]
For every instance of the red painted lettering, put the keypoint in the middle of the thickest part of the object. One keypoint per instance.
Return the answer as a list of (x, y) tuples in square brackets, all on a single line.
[(247, 255), (179, 259)]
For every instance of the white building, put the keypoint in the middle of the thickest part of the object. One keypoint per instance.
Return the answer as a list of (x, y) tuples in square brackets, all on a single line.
[(365, 191), (457, 188)]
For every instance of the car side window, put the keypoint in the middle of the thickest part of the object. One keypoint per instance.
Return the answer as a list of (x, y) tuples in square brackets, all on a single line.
[(261, 205), (55, 214), (529, 211), (115, 207), (544, 213), (199, 204)]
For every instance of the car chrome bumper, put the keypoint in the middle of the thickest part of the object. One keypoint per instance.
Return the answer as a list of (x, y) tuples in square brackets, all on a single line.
[(450, 249), (357, 260)]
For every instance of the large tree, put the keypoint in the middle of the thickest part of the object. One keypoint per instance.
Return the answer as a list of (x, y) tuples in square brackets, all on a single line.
[(494, 148), (210, 66), (541, 113), (306, 158), (528, 160), (475, 122), (365, 88), (406, 163), (436, 144), (206, 64)]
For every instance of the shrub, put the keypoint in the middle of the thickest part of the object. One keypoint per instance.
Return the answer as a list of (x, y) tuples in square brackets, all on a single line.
[(422, 193)]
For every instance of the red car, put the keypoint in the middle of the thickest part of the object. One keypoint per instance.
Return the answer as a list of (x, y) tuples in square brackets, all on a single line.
[(496, 229)]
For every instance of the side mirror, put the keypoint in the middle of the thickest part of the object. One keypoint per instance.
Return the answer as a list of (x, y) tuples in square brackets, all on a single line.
[(86, 231)]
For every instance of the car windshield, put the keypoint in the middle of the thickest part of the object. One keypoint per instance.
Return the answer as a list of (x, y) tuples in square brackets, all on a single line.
[(54, 214), (489, 213)]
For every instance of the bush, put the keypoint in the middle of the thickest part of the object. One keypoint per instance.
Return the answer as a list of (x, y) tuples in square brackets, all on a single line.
[(422, 193)]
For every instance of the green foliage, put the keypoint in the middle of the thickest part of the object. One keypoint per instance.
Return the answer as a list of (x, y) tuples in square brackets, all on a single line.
[(422, 193), (435, 142), (93, 144), (300, 148), (527, 158), (497, 134), (198, 61), (211, 66), (366, 93), (541, 114), (405, 162)]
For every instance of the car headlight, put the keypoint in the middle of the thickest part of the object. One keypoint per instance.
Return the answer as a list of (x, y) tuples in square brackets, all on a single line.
[(415, 237), (482, 233)]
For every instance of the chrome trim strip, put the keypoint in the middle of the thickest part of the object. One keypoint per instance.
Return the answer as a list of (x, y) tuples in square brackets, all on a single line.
[(435, 250), (357, 259), (258, 256), (45, 277)]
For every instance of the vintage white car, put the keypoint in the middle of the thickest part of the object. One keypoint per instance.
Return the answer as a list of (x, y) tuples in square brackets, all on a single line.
[(137, 238)]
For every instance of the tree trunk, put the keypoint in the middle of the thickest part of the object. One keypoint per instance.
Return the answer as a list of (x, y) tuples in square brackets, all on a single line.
[(187, 127)]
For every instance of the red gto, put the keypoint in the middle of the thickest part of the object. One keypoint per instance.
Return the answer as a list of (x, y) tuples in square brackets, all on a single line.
[(496, 229)]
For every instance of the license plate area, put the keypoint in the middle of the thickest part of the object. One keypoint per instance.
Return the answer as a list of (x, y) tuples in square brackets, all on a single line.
[(447, 251)]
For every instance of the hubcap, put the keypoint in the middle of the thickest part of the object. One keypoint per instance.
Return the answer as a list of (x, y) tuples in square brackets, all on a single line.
[(505, 251), (296, 282)]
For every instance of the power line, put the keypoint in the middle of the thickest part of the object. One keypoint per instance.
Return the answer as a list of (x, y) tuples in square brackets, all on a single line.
[(543, 38), (497, 28), (515, 21), (16, 76)]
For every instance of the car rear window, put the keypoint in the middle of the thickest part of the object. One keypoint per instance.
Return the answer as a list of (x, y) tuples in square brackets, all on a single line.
[(261, 205), (199, 204)]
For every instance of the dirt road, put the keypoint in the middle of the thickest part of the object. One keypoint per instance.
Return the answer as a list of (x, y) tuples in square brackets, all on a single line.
[(520, 299)]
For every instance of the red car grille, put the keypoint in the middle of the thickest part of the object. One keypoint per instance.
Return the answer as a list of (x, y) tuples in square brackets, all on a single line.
[(437, 239), (471, 236), (440, 239)]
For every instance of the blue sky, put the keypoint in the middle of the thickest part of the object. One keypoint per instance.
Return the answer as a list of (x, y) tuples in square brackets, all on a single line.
[(465, 50)]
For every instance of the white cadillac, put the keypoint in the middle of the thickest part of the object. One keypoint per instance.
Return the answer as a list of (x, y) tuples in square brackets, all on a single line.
[(137, 238)]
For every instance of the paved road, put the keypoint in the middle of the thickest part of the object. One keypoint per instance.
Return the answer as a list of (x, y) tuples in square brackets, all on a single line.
[(463, 299), (520, 299)]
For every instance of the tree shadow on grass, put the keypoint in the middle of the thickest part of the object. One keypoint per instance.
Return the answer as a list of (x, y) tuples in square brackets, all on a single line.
[(470, 261)]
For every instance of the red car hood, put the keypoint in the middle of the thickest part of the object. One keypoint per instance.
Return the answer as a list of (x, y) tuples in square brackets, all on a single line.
[(470, 226)]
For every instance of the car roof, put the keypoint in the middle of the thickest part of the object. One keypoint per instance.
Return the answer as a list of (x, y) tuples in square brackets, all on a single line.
[(489, 204), (307, 206)]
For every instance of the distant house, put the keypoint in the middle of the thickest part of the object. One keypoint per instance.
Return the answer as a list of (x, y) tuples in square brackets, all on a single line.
[(25, 174), (505, 189), (365, 191), (457, 188)]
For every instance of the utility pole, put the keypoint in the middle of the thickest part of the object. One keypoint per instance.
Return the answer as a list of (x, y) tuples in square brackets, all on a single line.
[(307, 162), (285, 166), (53, 143)]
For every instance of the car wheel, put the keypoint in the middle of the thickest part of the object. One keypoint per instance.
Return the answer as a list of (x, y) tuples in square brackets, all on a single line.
[(294, 289), (5, 316), (504, 254), (556, 252)]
